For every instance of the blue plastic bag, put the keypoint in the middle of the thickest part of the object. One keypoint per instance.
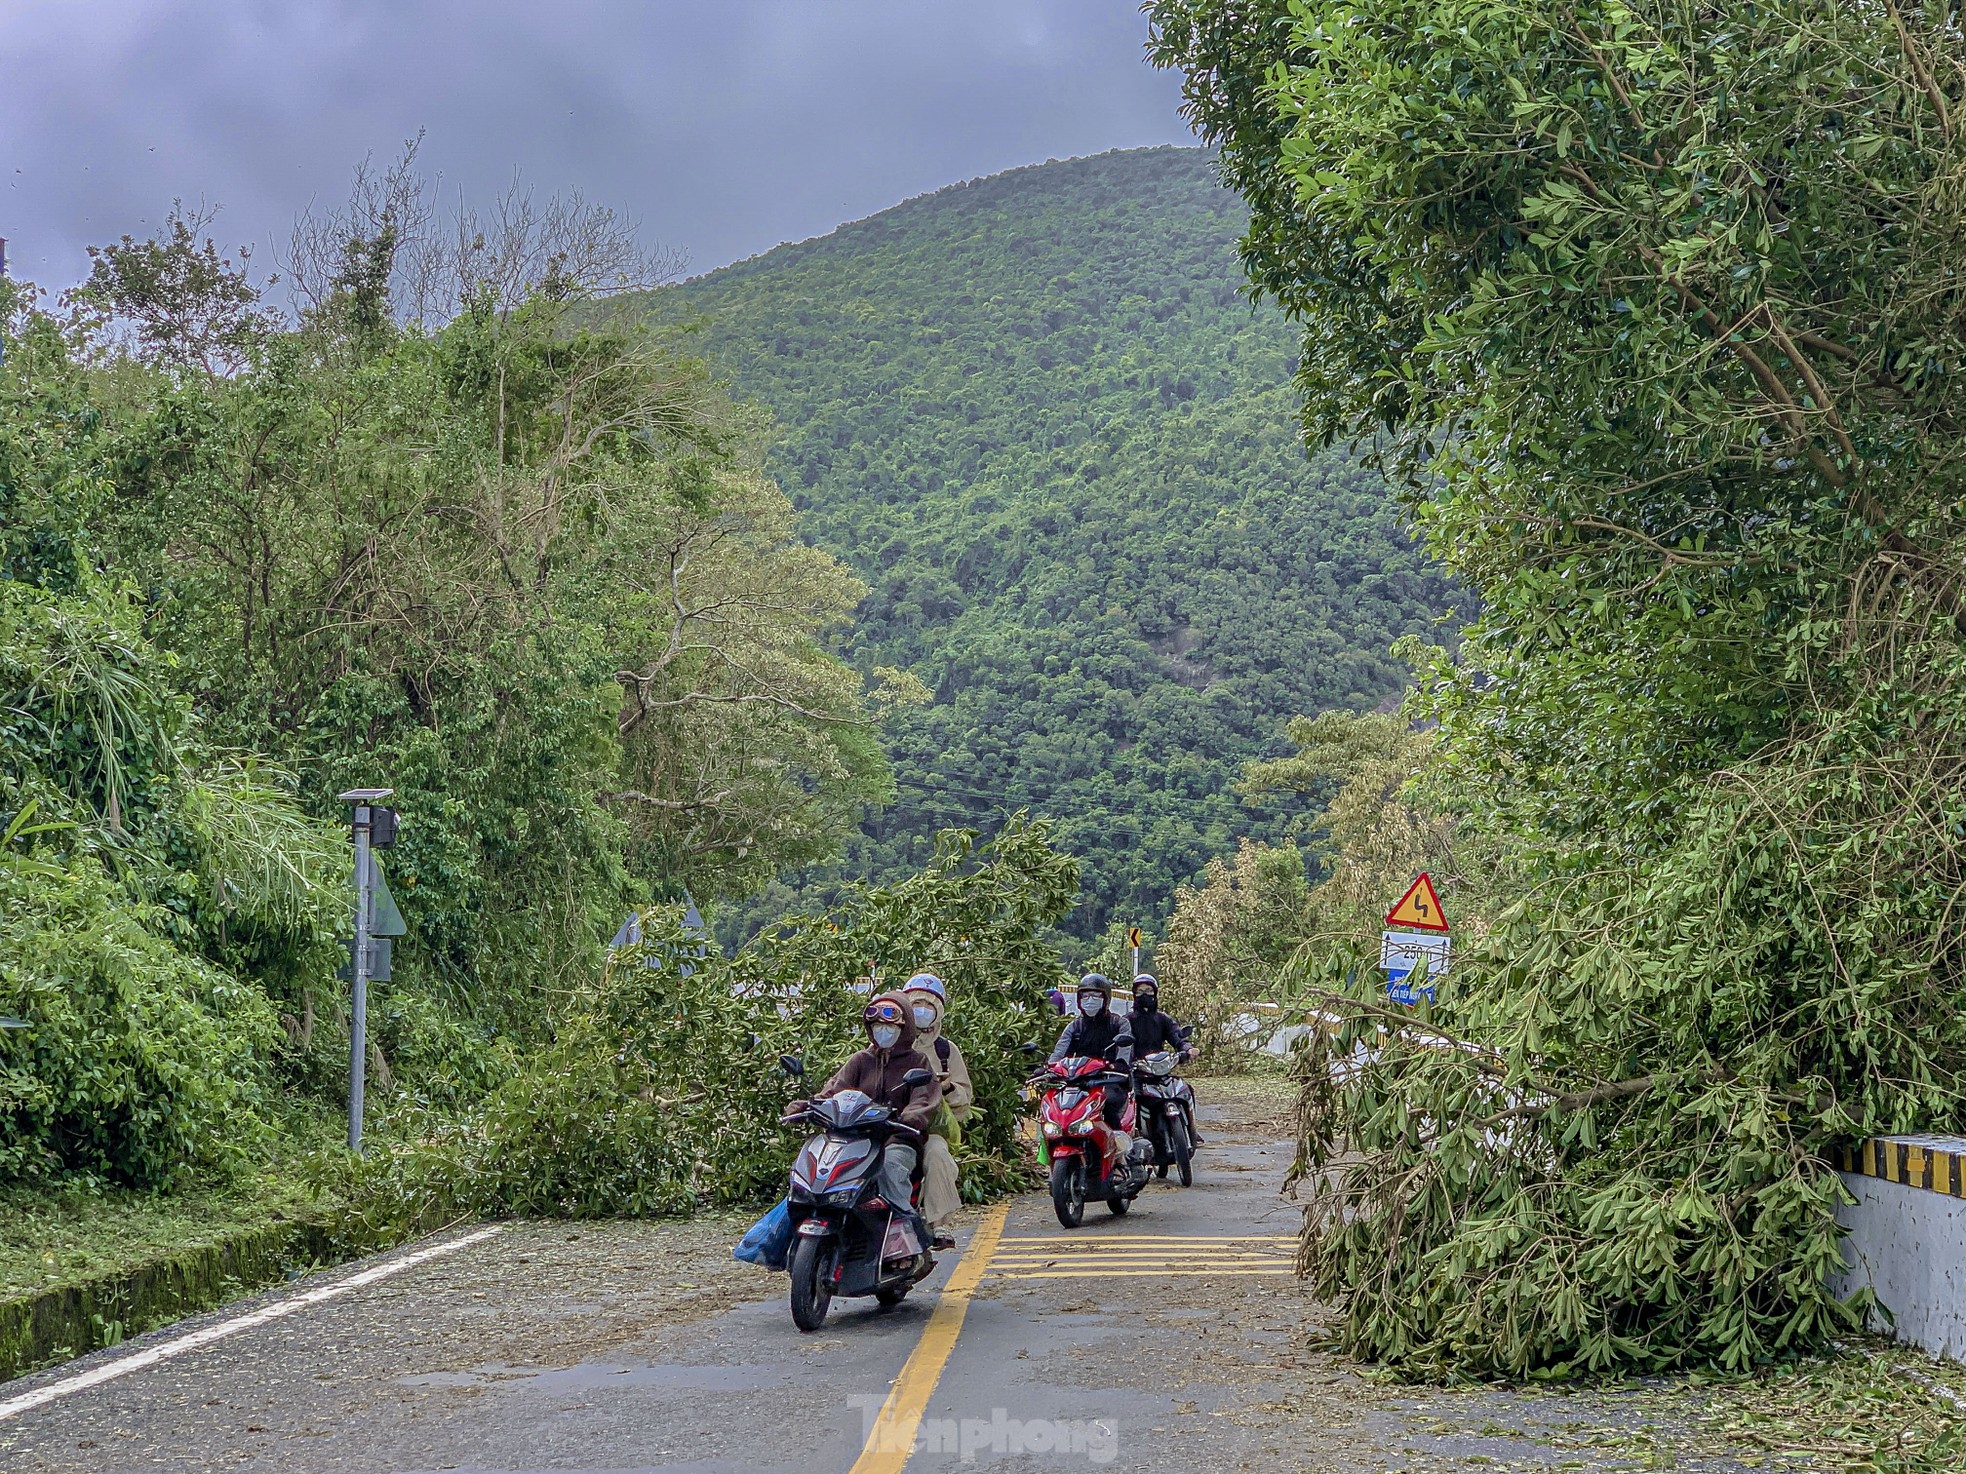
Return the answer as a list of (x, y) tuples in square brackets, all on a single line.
[(769, 1241)]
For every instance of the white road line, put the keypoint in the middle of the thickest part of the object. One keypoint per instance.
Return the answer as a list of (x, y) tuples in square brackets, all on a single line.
[(149, 1356)]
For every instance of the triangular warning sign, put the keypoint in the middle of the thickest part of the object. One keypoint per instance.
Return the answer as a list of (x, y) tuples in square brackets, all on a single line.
[(1419, 908)]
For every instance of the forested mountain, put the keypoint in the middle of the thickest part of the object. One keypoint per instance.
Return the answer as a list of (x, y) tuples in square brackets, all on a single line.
[(1036, 413)]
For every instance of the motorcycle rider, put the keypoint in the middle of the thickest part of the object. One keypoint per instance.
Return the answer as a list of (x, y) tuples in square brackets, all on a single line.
[(877, 1072), (1154, 1031), (1099, 1033), (927, 995)]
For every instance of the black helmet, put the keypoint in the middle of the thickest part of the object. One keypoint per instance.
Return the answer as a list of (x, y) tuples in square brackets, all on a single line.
[(1096, 982), (1145, 984)]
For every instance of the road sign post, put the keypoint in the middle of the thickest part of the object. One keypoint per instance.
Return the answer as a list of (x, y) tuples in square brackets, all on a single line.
[(370, 823), (1133, 939)]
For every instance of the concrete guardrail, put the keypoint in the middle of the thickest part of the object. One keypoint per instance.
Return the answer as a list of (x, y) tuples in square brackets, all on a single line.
[(1906, 1237)]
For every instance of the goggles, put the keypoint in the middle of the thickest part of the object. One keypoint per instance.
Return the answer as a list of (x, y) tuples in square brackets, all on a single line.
[(882, 1013)]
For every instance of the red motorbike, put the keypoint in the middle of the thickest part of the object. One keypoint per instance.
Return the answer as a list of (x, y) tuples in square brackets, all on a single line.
[(1088, 1158)]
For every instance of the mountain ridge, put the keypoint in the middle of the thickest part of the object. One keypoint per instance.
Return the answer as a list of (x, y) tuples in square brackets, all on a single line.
[(1037, 414)]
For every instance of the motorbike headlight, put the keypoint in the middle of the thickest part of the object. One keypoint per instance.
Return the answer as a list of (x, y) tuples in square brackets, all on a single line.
[(843, 1195), (1082, 1128), (1053, 1130)]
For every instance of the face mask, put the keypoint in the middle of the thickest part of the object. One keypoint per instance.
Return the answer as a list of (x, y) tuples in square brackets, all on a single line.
[(924, 1017), (1146, 1002), (886, 1036), (1092, 1007)]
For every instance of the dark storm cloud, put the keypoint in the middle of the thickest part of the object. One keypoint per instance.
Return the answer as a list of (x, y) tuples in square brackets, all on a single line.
[(724, 126)]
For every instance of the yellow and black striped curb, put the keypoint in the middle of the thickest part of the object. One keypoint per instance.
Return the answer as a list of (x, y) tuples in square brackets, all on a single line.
[(1941, 1168)]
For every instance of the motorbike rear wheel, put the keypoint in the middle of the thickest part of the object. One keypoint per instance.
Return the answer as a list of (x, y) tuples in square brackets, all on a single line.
[(894, 1296), (1118, 1206), (1068, 1191), (811, 1294), (1184, 1152)]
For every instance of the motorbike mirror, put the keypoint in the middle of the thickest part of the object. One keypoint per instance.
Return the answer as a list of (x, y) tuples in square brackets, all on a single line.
[(751, 1042), (917, 1077), (1029, 1046), (792, 1065)]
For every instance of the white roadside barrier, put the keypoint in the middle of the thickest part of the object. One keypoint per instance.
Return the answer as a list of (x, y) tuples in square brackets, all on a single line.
[(1905, 1237)]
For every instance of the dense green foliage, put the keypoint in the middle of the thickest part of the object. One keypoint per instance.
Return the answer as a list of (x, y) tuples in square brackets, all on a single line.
[(136, 860), (530, 575), (1037, 416), (536, 581), (662, 1090), (1656, 310)]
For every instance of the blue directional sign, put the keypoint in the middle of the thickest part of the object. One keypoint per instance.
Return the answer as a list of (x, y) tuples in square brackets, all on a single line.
[(1414, 964)]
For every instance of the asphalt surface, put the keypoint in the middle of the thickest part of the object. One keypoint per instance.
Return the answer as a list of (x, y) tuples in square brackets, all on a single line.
[(1175, 1338)]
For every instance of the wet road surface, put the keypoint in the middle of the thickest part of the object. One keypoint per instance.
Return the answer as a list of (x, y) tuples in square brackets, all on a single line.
[(1173, 1339), (1132, 1342)]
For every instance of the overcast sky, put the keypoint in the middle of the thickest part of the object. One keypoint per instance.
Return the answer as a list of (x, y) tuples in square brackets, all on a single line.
[(723, 126)]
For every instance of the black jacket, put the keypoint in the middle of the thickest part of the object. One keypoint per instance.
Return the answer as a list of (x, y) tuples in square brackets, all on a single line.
[(1108, 1037), (1153, 1032)]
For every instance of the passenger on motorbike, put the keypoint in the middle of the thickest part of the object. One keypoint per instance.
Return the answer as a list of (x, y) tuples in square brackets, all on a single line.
[(877, 1072), (1099, 1033), (1154, 1031), (941, 1194)]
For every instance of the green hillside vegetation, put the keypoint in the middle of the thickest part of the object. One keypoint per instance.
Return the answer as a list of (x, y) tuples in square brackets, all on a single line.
[(529, 574), (1036, 414)]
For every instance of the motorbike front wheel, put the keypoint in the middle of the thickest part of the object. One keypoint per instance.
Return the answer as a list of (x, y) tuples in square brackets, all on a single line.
[(1068, 1191), (811, 1294), (1183, 1151)]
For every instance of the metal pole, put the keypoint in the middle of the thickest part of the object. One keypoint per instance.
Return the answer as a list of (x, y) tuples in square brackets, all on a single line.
[(358, 1026)]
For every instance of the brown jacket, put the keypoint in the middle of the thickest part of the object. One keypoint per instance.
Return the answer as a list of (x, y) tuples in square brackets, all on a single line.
[(877, 1073)]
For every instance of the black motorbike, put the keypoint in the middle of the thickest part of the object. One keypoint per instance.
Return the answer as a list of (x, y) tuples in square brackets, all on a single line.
[(1167, 1113), (848, 1240)]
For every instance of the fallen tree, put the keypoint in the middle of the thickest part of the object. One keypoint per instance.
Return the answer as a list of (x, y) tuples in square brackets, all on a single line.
[(661, 1090), (1655, 311)]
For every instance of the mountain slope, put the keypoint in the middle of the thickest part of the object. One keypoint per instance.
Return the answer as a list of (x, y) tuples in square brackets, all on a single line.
[(1035, 412)]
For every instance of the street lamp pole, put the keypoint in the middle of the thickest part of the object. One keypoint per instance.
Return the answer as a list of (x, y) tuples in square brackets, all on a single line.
[(365, 801)]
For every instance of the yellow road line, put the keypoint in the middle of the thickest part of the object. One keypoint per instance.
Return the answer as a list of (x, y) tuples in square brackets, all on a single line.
[(1202, 1270), (892, 1438), (1154, 1238), (1170, 1265), (1124, 1256)]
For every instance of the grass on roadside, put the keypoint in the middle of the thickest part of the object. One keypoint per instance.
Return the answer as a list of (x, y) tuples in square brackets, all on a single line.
[(79, 1232)]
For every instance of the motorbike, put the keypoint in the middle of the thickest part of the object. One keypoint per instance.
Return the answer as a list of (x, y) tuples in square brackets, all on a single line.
[(1088, 1158), (847, 1239), (1167, 1114)]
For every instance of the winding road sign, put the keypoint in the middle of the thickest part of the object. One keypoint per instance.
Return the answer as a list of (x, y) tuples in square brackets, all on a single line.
[(1419, 908)]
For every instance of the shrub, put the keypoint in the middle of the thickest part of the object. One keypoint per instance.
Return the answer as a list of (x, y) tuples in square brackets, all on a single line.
[(661, 1090), (139, 1061)]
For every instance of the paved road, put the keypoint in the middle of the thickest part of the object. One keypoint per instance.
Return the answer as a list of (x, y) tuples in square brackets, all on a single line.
[(1161, 1340), (1172, 1340)]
